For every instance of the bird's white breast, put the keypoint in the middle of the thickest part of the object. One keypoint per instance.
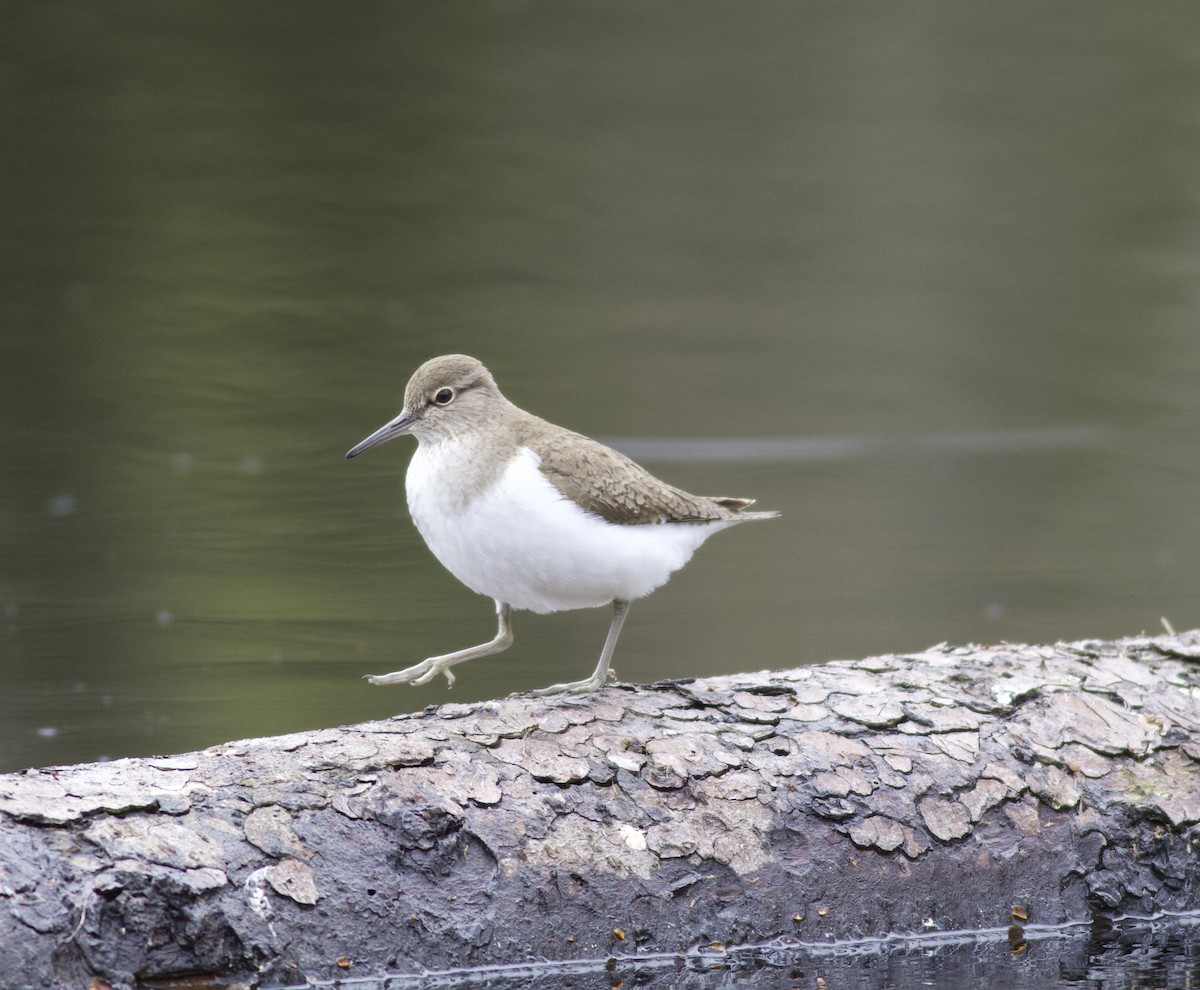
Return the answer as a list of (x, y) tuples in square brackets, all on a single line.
[(511, 535)]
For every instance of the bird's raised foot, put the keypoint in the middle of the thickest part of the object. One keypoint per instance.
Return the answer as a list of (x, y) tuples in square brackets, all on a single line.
[(416, 675), (427, 670)]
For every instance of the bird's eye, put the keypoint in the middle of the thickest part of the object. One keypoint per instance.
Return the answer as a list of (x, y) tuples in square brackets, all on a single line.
[(443, 396)]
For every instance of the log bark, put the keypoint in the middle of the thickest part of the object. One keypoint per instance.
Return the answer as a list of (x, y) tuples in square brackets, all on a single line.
[(958, 788)]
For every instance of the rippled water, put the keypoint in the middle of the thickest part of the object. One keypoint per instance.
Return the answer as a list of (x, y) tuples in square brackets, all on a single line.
[(1131, 954), (923, 279)]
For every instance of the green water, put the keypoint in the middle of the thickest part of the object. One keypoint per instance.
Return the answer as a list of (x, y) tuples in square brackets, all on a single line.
[(932, 266)]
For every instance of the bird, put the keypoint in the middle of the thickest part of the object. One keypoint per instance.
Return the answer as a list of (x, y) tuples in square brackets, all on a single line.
[(533, 515)]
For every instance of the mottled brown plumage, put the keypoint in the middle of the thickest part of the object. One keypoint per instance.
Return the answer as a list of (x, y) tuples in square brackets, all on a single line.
[(604, 481), (597, 478)]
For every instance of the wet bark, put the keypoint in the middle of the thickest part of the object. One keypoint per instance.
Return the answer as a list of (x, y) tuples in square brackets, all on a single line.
[(957, 788)]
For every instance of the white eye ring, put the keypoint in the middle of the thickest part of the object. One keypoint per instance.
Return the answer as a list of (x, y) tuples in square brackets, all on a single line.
[(443, 396)]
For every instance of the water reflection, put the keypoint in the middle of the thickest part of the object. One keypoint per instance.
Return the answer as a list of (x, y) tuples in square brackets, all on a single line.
[(930, 271), (840, 448), (1129, 954)]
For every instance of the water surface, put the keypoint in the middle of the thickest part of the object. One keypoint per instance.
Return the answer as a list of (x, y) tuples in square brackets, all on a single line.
[(921, 278)]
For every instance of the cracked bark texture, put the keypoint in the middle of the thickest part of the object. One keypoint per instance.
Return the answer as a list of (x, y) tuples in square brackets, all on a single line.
[(955, 788)]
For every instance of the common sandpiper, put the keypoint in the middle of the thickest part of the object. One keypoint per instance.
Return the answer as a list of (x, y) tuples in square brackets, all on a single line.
[(534, 516)]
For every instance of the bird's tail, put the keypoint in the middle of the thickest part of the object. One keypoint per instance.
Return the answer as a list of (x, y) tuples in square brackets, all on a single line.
[(738, 505)]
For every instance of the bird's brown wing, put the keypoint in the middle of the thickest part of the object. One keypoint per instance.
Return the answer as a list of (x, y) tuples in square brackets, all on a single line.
[(605, 482)]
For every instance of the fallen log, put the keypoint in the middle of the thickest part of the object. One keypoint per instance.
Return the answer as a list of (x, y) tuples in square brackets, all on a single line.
[(958, 788)]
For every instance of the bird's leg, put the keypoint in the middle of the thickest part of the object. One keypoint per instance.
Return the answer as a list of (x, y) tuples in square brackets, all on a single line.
[(600, 674), (426, 670)]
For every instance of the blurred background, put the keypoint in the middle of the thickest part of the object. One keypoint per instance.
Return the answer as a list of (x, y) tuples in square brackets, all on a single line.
[(924, 278)]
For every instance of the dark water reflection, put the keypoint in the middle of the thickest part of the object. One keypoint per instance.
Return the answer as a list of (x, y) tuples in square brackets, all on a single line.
[(1130, 956), (921, 278)]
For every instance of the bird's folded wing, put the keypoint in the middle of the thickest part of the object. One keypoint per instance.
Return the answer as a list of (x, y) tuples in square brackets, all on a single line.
[(608, 484)]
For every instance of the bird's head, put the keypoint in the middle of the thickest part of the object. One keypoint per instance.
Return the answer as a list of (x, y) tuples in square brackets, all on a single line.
[(445, 396)]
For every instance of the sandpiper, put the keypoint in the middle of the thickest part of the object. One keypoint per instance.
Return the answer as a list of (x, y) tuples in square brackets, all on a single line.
[(534, 516)]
